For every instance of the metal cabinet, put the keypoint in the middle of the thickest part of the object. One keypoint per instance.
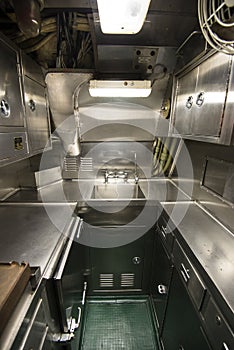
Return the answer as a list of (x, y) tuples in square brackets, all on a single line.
[(182, 123), (209, 99), (194, 284), (34, 331), (36, 115), (218, 331), (11, 106), (119, 269), (182, 327), (24, 119), (13, 135), (36, 110), (199, 108), (69, 287), (162, 268)]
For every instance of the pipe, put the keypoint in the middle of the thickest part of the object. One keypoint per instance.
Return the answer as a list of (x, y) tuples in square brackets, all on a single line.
[(41, 43), (164, 155), (165, 158), (28, 17), (74, 148), (169, 158), (157, 151)]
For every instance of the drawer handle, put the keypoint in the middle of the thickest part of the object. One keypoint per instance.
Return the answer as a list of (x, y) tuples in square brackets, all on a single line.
[(225, 347), (164, 231), (189, 102), (184, 273), (200, 99)]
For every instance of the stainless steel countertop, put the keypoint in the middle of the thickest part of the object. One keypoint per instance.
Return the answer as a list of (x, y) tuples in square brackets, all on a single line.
[(210, 242), (73, 191), (59, 192), (28, 234)]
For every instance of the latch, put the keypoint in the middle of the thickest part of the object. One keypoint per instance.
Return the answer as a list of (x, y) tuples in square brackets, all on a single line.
[(5, 108), (32, 105), (200, 99), (162, 289), (189, 102), (72, 323)]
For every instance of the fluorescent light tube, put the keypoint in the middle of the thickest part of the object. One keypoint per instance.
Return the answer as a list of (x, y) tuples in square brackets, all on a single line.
[(120, 88), (122, 16)]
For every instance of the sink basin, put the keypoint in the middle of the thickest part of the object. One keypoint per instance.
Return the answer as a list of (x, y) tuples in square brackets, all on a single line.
[(118, 217), (117, 191), (112, 223)]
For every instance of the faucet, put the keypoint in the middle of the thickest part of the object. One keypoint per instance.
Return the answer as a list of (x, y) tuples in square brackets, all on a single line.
[(136, 179), (115, 175), (106, 175)]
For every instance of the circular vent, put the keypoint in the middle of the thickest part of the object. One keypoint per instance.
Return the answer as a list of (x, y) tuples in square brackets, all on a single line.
[(216, 19)]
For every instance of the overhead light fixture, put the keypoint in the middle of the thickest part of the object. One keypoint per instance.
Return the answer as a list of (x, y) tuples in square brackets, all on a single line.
[(120, 88), (122, 16)]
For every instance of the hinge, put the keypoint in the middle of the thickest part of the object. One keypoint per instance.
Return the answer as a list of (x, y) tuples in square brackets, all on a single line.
[(18, 67), (72, 326), (62, 337)]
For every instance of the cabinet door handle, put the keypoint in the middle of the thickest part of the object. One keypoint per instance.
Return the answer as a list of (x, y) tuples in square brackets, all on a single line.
[(189, 102), (184, 273), (200, 99), (164, 231), (5, 109), (32, 105), (162, 289), (73, 324)]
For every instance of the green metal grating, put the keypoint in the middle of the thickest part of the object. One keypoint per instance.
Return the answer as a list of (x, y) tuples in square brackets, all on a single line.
[(118, 325)]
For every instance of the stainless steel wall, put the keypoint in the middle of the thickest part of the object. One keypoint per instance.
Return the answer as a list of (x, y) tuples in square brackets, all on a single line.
[(13, 176), (130, 156), (198, 152)]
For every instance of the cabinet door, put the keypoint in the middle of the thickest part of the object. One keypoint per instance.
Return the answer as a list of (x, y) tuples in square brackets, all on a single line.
[(184, 102), (160, 282), (208, 106), (181, 330), (218, 331), (36, 114), (11, 108), (119, 268)]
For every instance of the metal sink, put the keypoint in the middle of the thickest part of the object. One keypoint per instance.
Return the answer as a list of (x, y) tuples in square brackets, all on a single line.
[(112, 223), (118, 216), (117, 191)]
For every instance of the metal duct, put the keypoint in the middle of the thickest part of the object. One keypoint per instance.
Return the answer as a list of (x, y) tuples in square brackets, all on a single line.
[(28, 16)]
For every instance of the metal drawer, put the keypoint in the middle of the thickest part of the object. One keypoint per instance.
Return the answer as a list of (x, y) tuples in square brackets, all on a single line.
[(166, 234), (195, 286), (220, 335)]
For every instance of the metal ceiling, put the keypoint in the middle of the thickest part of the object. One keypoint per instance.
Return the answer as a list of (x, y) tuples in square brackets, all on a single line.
[(72, 27), (71, 43)]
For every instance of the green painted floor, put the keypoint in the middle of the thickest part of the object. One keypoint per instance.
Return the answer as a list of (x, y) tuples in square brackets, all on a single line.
[(118, 324)]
